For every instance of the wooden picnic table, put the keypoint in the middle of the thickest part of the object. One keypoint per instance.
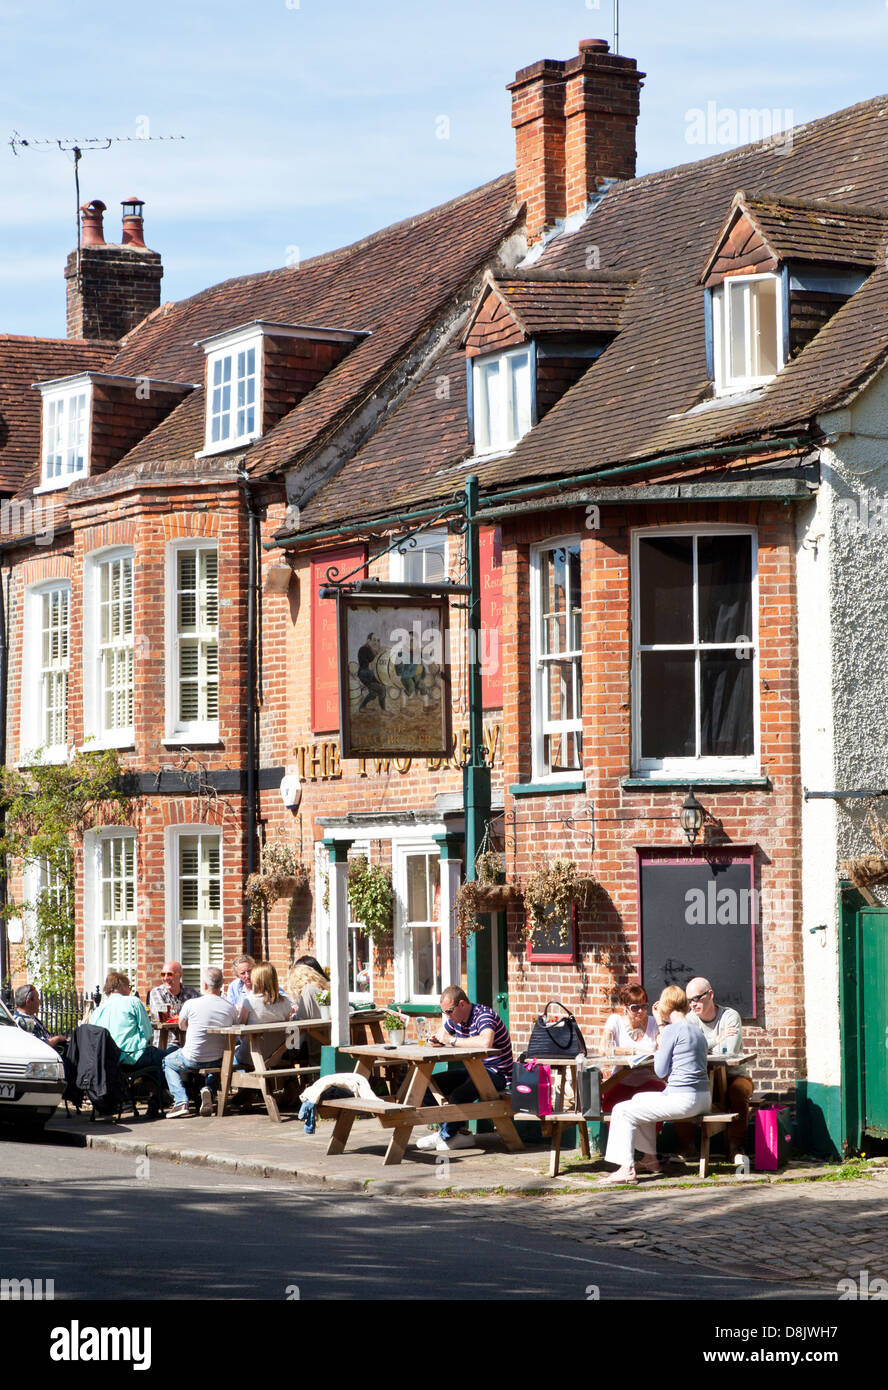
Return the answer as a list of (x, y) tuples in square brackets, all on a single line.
[(267, 1078), (408, 1109)]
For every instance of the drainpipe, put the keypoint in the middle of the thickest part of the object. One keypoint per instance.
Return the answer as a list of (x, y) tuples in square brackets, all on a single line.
[(4, 667), (252, 600)]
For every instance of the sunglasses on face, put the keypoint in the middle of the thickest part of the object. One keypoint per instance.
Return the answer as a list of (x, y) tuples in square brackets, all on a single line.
[(695, 998), (638, 1008)]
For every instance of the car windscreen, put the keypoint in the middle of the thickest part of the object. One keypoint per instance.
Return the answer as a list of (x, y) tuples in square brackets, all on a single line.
[(6, 1016)]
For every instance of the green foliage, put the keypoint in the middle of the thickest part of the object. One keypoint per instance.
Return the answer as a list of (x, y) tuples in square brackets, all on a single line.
[(371, 896), (47, 808)]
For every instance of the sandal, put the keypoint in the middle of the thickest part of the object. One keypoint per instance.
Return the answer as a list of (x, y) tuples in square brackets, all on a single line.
[(649, 1164), (622, 1177)]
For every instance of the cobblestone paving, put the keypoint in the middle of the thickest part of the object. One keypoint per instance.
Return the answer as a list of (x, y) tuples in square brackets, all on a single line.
[(806, 1231)]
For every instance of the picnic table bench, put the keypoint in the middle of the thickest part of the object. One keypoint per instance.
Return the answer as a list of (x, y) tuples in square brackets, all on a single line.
[(267, 1078), (407, 1110)]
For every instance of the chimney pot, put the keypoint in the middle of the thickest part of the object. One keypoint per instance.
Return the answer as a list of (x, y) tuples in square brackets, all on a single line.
[(133, 226), (92, 233), (591, 45)]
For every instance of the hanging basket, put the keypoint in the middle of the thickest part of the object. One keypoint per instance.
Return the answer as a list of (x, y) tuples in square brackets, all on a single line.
[(866, 870), (496, 897)]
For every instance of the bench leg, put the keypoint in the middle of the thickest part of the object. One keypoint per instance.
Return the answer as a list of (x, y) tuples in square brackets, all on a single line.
[(271, 1104), (555, 1151), (341, 1130), (584, 1139), (397, 1145)]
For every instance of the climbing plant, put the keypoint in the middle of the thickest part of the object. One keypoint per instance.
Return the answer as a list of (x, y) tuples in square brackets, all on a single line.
[(47, 808)]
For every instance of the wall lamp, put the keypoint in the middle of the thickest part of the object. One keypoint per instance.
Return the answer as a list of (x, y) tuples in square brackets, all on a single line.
[(691, 817)]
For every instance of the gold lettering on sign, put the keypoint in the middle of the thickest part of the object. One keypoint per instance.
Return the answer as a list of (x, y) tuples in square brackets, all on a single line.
[(319, 761)]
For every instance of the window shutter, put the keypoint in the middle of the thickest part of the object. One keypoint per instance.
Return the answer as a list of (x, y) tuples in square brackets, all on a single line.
[(324, 641)]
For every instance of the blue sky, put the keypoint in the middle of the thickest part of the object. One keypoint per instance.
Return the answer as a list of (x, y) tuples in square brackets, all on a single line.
[(310, 123)]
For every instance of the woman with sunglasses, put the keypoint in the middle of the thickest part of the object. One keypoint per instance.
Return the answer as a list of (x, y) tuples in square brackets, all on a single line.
[(628, 1032)]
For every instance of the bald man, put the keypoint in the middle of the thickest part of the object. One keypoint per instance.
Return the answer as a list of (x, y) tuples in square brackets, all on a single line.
[(724, 1036)]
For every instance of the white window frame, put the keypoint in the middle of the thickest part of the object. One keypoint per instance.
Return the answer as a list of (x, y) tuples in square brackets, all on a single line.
[(722, 311), (35, 873), (401, 850), (220, 351), (506, 427), (93, 662), (59, 397), (98, 960), (698, 767), (540, 727), (210, 954), (426, 541), (32, 724), (178, 730)]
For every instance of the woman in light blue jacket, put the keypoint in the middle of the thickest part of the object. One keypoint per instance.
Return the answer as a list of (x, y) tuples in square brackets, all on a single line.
[(680, 1056)]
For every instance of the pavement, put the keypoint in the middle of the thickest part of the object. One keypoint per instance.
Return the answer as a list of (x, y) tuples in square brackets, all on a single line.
[(254, 1145)]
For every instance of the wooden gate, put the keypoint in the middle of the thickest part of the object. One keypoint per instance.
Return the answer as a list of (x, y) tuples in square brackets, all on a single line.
[(864, 1003)]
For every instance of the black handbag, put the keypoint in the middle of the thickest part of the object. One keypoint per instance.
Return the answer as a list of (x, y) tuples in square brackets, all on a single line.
[(558, 1037)]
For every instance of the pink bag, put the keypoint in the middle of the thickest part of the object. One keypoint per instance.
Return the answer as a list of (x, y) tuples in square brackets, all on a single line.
[(772, 1139), (531, 1092)]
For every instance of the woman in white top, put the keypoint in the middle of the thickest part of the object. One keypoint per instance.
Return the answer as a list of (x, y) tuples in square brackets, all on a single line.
[(627, 1033), (265, 1004)]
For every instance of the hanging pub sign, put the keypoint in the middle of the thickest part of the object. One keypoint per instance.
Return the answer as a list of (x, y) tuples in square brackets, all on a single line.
[(394, 676)]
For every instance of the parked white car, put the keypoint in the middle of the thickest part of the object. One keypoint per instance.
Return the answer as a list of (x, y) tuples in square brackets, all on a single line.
[(32, 1077)]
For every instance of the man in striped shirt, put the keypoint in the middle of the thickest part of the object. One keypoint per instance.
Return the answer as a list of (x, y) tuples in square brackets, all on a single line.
[(464, 1024)]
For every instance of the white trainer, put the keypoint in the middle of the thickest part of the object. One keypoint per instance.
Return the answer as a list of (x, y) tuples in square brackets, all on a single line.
[(432, 1141), (206, 1100)]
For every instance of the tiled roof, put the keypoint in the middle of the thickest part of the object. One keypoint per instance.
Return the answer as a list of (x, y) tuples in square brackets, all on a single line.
[(392, 285), (565, 306), (649, 394), (412, 451), (24, 361), (820, 231)]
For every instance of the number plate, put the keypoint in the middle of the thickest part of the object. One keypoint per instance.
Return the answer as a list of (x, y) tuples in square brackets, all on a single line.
[(7, 1091)]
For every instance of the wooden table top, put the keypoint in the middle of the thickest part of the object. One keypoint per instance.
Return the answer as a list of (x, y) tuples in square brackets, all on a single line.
[(287, 1025), (416, 1052)]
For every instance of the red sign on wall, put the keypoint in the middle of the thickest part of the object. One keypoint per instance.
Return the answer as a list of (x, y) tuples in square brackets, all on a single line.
[(324, 642), (490, 654)]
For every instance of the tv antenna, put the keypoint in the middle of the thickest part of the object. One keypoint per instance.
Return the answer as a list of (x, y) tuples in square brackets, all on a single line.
[(77, 149), (616, 26)]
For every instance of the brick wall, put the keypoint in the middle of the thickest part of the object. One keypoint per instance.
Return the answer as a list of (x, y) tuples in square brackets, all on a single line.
[(117, 287), (625, 819)]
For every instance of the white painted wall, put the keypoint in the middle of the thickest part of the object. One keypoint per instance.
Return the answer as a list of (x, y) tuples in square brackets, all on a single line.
[(842, 567)]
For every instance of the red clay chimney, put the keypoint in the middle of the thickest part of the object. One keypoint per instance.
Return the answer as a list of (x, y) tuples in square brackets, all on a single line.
[(574, 125), (91, 220), (132, 222), (601, 99)]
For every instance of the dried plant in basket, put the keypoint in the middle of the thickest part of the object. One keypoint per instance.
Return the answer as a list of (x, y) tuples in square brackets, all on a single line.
[(551, 892), (281, 874), (866, 870), (484, 894)]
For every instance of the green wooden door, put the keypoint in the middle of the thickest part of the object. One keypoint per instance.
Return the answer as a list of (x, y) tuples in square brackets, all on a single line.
[(874, 1019)]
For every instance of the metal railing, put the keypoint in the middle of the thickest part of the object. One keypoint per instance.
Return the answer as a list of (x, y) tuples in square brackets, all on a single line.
[(61, 1009)]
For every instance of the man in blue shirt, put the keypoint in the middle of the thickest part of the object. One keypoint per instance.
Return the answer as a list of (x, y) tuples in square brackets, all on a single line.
[(464, 1024)]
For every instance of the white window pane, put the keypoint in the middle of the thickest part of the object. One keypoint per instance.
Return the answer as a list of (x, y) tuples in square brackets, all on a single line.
[(763, 311), (519, 402)]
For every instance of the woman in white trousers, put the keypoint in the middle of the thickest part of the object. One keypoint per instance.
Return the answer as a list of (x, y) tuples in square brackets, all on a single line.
[(680, 1056)]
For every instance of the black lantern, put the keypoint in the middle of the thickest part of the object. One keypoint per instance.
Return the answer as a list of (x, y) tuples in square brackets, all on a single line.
[(691, 816), (132, 207)]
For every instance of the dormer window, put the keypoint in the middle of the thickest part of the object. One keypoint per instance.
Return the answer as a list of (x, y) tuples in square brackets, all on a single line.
[(502, 398), (65, 451), (747, 331), (233, 406)]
